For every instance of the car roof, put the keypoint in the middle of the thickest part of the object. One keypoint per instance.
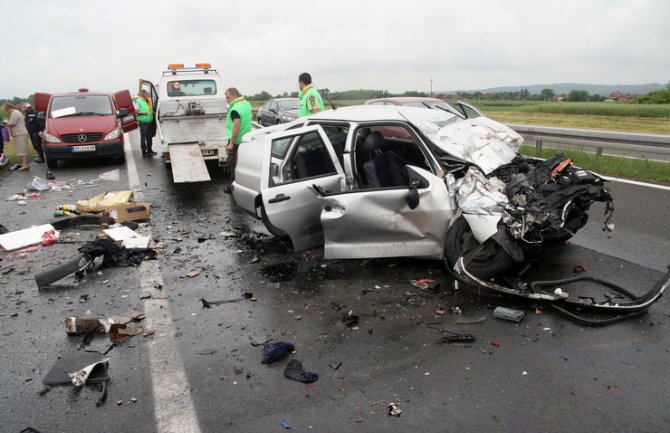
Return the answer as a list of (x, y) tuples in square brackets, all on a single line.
[(365, 113), (401, 100), (82, 94)]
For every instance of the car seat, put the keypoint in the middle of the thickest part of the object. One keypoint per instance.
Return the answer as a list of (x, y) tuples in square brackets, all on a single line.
[(386, 171), (365, 151)]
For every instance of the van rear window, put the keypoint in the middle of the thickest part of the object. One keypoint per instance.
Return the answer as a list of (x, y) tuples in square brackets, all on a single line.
[(83, 105), (191, 87)]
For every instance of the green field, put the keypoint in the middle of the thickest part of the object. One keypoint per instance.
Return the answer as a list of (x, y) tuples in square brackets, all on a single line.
[(645, 118)]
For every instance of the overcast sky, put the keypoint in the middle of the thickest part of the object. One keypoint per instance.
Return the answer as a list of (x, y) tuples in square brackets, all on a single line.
[(61, 45)]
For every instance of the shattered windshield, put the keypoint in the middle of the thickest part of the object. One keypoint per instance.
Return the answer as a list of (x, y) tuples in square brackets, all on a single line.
[(81, 105)]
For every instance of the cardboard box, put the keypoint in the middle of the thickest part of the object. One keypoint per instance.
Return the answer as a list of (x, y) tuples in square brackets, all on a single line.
[(132, 211), (104, 201)]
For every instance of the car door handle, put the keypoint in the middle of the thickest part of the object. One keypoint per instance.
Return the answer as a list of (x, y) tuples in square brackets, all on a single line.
[(278, 198)]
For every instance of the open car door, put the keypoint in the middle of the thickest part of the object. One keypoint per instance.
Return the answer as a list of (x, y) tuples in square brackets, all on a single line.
[(294, 161), (401, 221), (124, 100), (153, 99), (42, 102)]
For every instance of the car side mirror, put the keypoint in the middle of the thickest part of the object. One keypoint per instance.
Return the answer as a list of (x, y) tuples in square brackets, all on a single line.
[(412, 197), (122, 112), (41, 115)]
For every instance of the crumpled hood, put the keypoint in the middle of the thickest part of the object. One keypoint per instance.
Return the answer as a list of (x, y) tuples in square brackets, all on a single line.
[(77, 124), (480, 140)]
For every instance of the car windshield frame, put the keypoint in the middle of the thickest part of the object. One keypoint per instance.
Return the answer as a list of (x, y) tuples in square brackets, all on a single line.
[(80, 105)]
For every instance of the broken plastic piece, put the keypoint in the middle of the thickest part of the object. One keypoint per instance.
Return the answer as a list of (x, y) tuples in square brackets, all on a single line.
[(459, 338), (394, 410), (508, 314)]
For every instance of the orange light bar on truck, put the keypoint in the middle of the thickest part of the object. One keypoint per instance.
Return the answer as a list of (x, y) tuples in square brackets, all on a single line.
[(203, 65), (176, 66)]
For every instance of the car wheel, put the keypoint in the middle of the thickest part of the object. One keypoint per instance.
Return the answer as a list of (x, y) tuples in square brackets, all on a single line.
[(121, 159), (481, 260), (268, 225), (51, 162)]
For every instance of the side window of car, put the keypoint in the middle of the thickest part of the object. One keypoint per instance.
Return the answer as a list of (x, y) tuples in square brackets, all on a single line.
[(382, 154), (308, 158)]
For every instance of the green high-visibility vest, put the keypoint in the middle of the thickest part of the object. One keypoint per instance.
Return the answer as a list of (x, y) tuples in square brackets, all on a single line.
[(243, 108), (144, 107), (309, 100)]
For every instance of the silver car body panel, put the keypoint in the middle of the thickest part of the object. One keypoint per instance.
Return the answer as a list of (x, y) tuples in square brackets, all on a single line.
[(291, 206), (380, 223), (482, 141), (481, 200)]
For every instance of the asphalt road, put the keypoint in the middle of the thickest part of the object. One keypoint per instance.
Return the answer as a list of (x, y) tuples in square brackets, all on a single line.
[(199, 371)]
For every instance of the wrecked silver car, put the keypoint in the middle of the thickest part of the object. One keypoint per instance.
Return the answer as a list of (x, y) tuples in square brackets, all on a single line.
[(386, 181)]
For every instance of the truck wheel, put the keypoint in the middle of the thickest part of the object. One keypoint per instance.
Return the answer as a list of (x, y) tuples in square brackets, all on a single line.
[(482, 260), (51, 162)]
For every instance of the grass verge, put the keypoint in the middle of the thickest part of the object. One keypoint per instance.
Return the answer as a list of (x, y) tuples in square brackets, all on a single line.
[(638, 169)]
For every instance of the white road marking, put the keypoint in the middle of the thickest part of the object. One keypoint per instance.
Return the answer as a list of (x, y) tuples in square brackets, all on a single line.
[(635, 182), (173, 406)]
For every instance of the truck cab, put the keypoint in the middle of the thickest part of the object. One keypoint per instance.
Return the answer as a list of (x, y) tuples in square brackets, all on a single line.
[(84, 124), (191, 111)]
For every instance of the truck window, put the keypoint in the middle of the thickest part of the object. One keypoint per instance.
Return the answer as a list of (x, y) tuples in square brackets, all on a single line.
[(191, 87)]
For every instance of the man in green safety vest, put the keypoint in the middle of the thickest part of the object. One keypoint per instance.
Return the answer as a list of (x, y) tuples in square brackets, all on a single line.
[(144, 116), (310, 100), (238, 123)]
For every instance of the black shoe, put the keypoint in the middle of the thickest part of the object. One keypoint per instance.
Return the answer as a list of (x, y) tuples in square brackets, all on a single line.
[(228, 189), (144, 154), (151, 153)]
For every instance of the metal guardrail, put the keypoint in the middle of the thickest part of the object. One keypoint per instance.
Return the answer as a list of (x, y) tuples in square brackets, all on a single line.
[(657, 144)]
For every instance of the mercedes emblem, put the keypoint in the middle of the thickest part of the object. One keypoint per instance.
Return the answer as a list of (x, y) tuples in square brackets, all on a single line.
[(81, 138)]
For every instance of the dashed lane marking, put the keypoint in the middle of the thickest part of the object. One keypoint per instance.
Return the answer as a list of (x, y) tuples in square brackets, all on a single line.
[(173, 407)]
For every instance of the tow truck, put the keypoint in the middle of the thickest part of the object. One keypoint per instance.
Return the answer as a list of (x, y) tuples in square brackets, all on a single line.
[(191, 111)]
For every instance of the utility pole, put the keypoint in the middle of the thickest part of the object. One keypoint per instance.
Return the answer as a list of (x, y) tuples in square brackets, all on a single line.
[(431, 86)]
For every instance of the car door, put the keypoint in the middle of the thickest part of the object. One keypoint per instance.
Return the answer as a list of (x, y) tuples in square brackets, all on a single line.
[(153, 97), (262, 113), (42, 102), (382, 223), (272, 113), (295, 161), (124, 100)]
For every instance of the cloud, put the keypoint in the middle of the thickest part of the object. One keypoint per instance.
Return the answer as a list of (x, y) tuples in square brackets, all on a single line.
[(348, 44)]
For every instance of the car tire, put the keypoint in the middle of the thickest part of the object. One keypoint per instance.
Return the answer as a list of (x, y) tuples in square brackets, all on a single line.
[(121, 159), (491, 260), (51, 162)]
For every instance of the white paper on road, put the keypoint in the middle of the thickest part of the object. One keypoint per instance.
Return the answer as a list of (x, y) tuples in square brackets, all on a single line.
[(24, 238), (128, 237)]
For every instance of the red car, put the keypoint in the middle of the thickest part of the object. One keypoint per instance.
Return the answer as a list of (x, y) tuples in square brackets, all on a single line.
[(85, 125)]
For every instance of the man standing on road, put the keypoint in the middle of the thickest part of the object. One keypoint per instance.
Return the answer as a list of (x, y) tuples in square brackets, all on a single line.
[(238, 123), (144, 118), (17, 127), (310, 99), (35, 126)]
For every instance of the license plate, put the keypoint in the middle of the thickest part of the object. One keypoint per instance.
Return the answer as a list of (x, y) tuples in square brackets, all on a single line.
[(208, 152), (89, 148)]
